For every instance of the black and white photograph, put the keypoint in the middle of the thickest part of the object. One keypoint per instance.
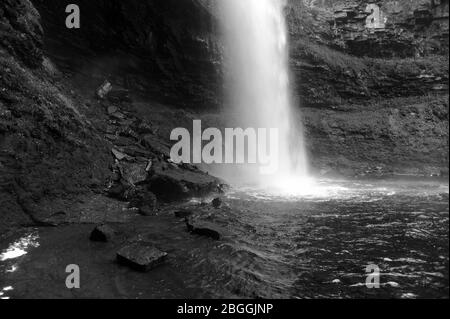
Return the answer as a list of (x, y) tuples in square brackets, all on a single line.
[(224, 155)]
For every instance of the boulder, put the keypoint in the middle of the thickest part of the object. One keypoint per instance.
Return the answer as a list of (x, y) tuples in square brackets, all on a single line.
[(141, 256), (144, 200), (216, 203), (134, 173), (171, 183), (102, 233)]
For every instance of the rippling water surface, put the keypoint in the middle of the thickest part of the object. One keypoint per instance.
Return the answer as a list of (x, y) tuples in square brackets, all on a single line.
[(316, 244)]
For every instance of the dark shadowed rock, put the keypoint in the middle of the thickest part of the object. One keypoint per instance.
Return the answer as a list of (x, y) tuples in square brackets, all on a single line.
[(171, 183), (144, 200), (141, 256), (202, 229), (119, 96), (216, 203), (117, 191), (102, 233), (183, 214)]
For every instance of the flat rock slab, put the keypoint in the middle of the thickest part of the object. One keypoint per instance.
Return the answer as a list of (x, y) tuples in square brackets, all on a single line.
[(204, 229), (141, 256)]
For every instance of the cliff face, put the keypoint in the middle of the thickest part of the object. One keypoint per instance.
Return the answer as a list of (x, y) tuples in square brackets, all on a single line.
[(383, 28), (47, 146), (371, 79), (21, 31), (164, 48)]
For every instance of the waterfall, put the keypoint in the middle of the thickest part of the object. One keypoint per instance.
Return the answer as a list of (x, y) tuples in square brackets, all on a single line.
[(258, 82)]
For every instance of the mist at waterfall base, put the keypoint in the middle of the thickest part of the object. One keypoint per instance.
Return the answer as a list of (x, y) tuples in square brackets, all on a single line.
[(259, 91)]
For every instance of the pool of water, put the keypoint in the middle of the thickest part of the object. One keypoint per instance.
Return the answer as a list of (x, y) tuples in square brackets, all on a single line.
[(314, 244)]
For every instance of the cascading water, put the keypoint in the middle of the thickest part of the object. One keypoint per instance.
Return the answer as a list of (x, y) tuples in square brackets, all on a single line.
[(256, 50)]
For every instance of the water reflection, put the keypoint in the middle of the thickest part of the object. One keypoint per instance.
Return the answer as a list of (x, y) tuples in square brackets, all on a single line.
[(15, 250), (20, 247), (4, 290)]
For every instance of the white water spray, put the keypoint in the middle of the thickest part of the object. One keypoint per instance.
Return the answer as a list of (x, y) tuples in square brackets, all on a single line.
[(256, 49)]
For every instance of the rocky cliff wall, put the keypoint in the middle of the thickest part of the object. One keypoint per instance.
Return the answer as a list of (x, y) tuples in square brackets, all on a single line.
[(372, 62), (48, 148), (384, 28), (166, 48)]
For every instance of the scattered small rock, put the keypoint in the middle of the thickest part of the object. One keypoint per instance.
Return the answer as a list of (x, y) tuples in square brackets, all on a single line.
[(393, 284), (102, 233), (119, 155), (104, 89), (118, 115), (112, 109), (141, 256), (149, 166), (144, 128), (111, 137)]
